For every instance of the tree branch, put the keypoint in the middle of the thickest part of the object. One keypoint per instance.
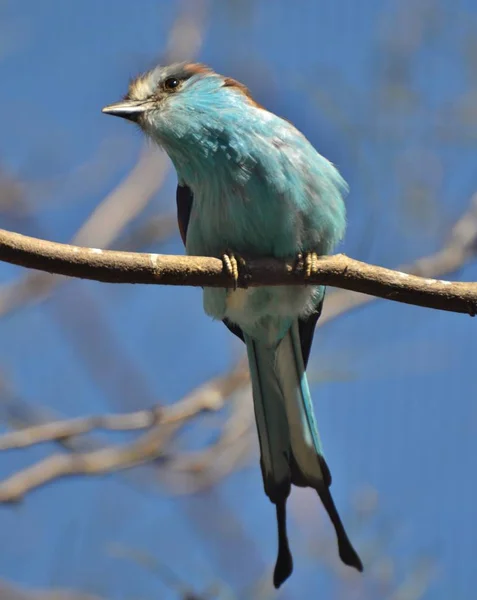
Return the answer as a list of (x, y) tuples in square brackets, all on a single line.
[(58, 430), (10, 591), (161, 424), (96, 462), (339, 271)]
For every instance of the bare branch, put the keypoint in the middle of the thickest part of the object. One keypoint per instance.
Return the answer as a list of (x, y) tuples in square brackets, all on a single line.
[(162, 424), (339, 271)]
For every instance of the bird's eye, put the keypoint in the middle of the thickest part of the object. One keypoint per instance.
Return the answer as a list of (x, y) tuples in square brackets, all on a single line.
[(171, 83)]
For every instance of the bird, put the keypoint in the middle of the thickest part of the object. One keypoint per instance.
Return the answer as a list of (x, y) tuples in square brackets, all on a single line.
[(251, 185)]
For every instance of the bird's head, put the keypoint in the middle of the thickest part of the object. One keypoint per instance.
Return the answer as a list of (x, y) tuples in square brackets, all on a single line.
[(168, 102)]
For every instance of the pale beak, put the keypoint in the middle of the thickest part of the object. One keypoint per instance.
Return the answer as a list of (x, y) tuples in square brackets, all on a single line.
[(128, 109)]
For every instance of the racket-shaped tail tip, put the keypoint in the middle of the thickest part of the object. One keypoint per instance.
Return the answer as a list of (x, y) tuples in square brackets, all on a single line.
[(283, 568), (345, 549), (284, 564), (349, 555)]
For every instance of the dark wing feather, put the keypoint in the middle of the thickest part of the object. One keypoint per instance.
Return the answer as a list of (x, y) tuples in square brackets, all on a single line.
[(306, 328), (184, 199)]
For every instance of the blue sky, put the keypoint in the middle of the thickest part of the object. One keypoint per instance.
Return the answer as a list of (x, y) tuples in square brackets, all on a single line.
[(399, 413)]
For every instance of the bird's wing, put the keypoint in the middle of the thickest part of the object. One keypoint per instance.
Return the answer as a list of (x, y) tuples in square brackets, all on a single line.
[(184, 200), (306, 328)]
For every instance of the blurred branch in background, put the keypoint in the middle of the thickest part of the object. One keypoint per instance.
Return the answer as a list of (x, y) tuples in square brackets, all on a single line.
[(54, 431), (153, 232), (161, 424), (103, 227), (168, 576), (8, 591), (75, 311), (83, 179), (131, 196), (383, 579), (460, 248)]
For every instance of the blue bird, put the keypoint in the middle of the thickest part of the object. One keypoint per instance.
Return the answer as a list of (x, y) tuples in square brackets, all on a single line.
[(251, 185)]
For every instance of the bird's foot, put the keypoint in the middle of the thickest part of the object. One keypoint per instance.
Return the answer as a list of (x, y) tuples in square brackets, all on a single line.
[(233, 264), (308, 262)]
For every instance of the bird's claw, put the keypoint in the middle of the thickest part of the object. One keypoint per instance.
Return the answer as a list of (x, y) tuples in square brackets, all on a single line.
[(231, 263), (308, 262), (311, 264)]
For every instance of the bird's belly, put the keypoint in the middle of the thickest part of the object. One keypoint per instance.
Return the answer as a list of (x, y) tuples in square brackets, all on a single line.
[(247, 307), (236, 301)]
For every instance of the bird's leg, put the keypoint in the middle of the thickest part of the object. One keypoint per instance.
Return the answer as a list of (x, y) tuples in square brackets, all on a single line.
[(308, 262), (233, 263)]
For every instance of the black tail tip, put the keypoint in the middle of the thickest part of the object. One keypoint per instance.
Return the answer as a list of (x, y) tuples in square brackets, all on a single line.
[(350, 557), (284, 564), (283, 567)]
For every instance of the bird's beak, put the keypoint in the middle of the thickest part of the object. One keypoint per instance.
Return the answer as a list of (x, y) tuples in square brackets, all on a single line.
[(127, 109)]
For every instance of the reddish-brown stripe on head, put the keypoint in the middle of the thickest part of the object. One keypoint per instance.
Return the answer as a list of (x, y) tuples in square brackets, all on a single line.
[(197, 68), (233, 83), (229, 82)]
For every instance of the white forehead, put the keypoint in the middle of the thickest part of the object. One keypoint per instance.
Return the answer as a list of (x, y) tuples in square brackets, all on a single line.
[(143, 87)]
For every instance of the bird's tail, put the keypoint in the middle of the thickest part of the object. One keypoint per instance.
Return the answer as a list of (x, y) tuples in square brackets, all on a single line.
[(290, 445)]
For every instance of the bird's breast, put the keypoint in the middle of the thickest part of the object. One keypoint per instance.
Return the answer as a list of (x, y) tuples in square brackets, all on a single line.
[(233, 218)]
